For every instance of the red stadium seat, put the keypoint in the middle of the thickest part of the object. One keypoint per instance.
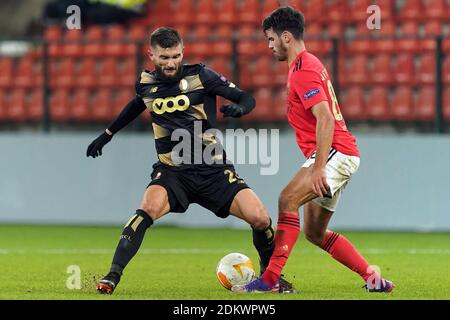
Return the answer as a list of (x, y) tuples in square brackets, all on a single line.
[(64, 76), (24, 73), (412, 9), (377, 104), (102, 107), (387, 8), (221, 48), (3, 105), (221, 65), (137, 32), (446, 104), (353, 106), (403, 68), (16, 109), (359, 10), (446, 70), (250, 12), (73, 47), (226, 12), (116, 45), (94, 46), (263, 107), (381, 72), (408, 30), (108, 73), (184, 12), (425, 104), (6, 67), (53, 33), (402, 104), (269, 6), (357, 72), (245, 73), (262, 75), (281, 73), (386, 43), (337, 11), (224, 32), (35, 105), (128, 74), (279, 108), (80, 106), (121, 99), (435, 9), (86, 75), (426, 69), (205, 12), (59, 106)]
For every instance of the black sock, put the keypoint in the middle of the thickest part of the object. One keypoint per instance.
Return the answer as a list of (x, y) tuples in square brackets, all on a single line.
[(130, 240), (264, 244)]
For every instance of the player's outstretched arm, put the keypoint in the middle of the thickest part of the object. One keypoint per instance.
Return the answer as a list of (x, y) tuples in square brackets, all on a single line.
[(130, 112), (244, 105)]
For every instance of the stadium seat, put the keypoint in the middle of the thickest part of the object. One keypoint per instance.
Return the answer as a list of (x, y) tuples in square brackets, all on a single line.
[(387, 8), (80, 106), (137, 33), (279, 109), (86, 75), (24, 73), (245, 73), (53, 33), (352, 104), (446, 70), (94, 46), (359, 10), (402, 104), (221, 65), (3, 105), (357, 71), (184, 11), (381, 71), (269, 6), (425, 72), (319, 47), (160, 13), (262, 75), (116, 45), (205, 12), (108, 74), (446, 103), (121, 99), (226, 12), (35, 105), (73, 46), (280, 73), (403, 68), (377, 104), (433, 27), (262, 111), (386, 43), (335, 30), (425, 104), (250, 12), (435, 9), (224, 32), (102, 107), (6, 67), (408, 31), (221, 48), (64, 74), (412, 9), (59, 105), (16, 108), (128, 73), (336, 11)]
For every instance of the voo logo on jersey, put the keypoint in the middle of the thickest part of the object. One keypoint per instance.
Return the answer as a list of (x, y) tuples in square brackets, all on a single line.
[(171, 104)]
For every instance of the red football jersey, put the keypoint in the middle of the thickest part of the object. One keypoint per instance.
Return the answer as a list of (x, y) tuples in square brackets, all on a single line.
[(308, 84)]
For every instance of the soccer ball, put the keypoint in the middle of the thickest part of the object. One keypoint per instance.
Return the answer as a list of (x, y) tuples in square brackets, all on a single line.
[(235, 268)]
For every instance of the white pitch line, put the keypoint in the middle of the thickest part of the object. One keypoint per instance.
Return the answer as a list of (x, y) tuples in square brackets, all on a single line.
[(174, 251)]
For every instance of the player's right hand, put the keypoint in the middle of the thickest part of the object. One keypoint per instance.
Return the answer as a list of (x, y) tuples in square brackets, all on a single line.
[(95, 148)]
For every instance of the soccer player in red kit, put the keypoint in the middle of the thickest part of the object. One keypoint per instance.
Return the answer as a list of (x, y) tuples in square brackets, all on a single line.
[(331, 152)]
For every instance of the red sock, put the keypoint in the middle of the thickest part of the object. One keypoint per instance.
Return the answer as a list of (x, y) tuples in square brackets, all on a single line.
[(286, 235), (343, 251)]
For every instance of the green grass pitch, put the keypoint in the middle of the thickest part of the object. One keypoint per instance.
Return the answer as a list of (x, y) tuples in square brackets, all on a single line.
[(177, 263)]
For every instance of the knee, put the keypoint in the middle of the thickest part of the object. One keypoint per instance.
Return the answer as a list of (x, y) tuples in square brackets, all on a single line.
[(260, 219), (314, 237), (286, 201), (152, 209)]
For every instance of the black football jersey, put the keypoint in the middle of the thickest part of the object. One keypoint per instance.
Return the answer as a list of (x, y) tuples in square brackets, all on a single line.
[(189, 104)]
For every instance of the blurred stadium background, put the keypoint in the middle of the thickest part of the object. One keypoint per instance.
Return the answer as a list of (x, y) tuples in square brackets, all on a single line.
[(59, 89)]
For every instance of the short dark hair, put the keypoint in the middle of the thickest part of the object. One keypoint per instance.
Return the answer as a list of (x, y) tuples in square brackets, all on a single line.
[(286, 19), (165, 37)]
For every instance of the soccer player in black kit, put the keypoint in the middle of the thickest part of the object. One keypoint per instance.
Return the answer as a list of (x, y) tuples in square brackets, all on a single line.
[(183, 96)]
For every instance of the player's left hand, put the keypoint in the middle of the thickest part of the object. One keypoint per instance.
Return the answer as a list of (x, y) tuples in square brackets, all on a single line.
[(319, 181), (232, 110)]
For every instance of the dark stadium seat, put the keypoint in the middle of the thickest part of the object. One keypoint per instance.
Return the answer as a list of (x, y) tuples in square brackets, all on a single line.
[(35, 105), (402, 104), (425, 72), (102, 108), (403, 68), (250, 12), (59, 105), (16, 107), (381, 71), (377, 104), (6, 67), (351, 103), (425, 104), (226, 12), (80, 106)]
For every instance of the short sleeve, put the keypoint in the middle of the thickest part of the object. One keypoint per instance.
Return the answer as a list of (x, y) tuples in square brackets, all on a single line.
[(309, 87)]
